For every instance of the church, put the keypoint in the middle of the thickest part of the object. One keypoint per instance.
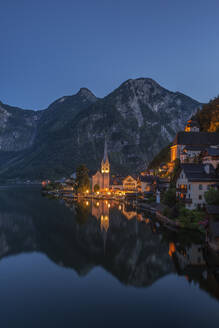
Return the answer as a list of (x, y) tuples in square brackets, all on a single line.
[(101, 179)]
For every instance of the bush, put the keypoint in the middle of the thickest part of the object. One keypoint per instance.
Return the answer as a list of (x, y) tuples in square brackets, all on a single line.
[(151, 199), (96, 188), (190, 218), (212, 197), (173, 212)]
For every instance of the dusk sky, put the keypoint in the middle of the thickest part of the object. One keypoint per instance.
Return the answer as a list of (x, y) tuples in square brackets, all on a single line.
[(51, 48)]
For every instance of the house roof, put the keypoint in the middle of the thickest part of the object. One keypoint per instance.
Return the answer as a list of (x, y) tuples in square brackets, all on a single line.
[(116, 181), (196, 172), (212, 151), (196, 138), (97, 174), (129, 177), (146, 178), (195, 148)]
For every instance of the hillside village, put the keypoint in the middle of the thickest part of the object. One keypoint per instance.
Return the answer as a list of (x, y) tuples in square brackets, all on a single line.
[(182, 183), (195, 159)]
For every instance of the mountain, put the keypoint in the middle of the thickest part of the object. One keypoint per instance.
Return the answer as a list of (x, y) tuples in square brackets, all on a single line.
[(138, 118)]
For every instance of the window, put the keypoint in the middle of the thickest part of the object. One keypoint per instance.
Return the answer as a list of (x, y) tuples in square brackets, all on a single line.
[(189, 187), (200, 197), (200, 187), (208, 187)]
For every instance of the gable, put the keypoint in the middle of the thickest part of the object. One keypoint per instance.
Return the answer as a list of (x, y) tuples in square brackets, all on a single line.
[(129, 179)]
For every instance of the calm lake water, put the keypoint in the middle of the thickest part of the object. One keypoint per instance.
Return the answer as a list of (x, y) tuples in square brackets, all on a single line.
[(99, 265)]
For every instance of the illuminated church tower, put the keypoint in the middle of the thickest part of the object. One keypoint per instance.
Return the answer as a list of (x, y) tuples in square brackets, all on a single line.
[(102, 178), (105, 169)]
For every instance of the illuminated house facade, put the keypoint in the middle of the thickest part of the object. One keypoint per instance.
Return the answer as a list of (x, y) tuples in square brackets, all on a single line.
[(192, 126), (130, 184), (102, 177), (192, 142), (192, 183)]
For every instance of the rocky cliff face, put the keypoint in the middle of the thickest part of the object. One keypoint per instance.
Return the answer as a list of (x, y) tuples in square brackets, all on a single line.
[(17, 128), (138, 118)]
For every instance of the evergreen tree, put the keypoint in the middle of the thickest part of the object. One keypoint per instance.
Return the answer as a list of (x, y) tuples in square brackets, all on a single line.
[(82, 182)]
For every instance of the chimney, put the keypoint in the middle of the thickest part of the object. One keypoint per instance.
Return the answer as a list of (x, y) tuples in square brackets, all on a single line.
[(207, 168)]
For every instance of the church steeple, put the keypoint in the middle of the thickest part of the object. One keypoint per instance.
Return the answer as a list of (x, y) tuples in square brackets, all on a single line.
[(105, 156), (102, 178), (105, 166)]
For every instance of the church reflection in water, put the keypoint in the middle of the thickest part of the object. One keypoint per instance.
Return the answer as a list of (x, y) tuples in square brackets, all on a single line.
[(126, 242), (101, 210)]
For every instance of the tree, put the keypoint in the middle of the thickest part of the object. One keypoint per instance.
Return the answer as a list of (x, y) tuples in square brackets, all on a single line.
[(212, 196), (82, 212), (82, 182), (96, 188), (175, 172), (170, 197)]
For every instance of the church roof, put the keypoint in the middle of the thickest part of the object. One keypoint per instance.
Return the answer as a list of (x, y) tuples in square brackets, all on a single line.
[(196, 138), (97, 174)]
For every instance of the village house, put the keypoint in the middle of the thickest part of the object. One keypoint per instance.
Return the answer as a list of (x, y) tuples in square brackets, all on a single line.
[(190, 154), (192, 126), (195, 142), (192, 183), (191, 142), (145, 183), (116, 183), (130, 183), (211, 156)]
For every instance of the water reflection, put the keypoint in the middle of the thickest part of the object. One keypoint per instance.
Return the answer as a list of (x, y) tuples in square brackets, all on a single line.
[(123, 240)]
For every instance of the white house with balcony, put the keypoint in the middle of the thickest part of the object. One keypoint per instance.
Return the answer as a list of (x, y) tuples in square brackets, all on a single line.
[(192, 183)]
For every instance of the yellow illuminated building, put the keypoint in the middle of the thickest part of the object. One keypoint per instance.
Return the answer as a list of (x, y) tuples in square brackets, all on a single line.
[(102, 177)]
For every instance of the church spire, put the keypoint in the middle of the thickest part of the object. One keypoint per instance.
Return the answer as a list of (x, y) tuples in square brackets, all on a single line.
[(105, 166), (105, 156)]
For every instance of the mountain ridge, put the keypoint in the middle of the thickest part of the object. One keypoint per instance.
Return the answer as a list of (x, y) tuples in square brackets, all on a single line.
[(139, 118)]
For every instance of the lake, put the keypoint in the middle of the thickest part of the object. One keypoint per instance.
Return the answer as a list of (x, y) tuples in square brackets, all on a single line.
[(99, 264)]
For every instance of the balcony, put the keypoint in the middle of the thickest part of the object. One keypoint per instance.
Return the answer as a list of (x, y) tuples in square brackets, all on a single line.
[(181, 190), (187, 200)]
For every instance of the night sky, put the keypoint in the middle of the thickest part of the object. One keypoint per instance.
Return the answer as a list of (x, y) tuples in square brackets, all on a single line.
[(51, 48)]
